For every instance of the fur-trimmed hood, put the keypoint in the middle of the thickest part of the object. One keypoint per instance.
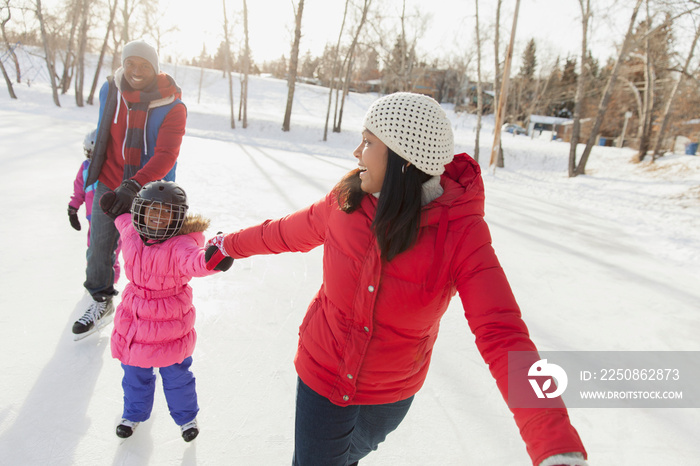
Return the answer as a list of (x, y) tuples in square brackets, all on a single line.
[(194, 223)]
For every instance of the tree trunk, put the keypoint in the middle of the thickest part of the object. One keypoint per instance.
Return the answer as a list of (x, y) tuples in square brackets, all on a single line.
[(227, 67), (479, 98), (127, 11), (605, 99), (47, 52), (69, 62), (201, 71), (671, 97), (649, 87), (10, 49), (496, 152), (293, 61), (351, 61), (580, 85), (497, 63), (346, 89), (334, 72), (82, 46), (103, 51), (8, 81), (246, 67)]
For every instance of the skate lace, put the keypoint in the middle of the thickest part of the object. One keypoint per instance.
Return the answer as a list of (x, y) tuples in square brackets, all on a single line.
[(93, 313), (128, 423), (189, 425)]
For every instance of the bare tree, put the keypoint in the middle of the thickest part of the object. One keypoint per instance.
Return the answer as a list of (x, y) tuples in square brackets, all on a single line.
[(153, 14), (69, 59), (124, 37), (103, 50), (350, 60), (479, 97), (227, 65), (48, 53), (293, 61), (5, 8), (400, 65), (672, 95), (8, 81), (648, 96), (454, 87), (496, 52), (585, 6), (202, 57), (580, 168), (655, 56), (334, 70), (497, 160), (127, 11), (246, 69), (82, 47), (497, 73)]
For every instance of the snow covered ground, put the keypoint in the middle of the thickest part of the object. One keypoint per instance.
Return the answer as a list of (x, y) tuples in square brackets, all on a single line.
[(607, 261)]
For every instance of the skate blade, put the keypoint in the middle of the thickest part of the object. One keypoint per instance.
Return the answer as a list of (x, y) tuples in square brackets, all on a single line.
[(99, 326), (80, 336)]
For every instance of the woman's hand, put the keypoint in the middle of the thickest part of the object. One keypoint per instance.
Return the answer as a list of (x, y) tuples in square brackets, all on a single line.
[(565, 459)]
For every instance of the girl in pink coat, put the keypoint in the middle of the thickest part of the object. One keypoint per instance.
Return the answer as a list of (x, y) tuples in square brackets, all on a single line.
[(154, 323)]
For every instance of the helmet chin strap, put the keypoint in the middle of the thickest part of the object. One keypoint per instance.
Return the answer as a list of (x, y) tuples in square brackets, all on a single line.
[(151, 237), (150, 242)]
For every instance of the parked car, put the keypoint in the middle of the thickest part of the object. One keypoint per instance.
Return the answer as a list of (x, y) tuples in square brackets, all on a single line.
[(514, 129)]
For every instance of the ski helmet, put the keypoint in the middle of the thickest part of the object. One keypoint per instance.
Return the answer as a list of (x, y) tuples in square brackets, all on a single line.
[(158, 211), (89, 143)]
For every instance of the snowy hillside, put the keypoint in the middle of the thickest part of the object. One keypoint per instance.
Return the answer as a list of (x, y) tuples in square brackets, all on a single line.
[(607, 261)]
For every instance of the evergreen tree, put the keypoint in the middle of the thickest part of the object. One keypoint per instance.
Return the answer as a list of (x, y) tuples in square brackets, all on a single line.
[(529, 65)]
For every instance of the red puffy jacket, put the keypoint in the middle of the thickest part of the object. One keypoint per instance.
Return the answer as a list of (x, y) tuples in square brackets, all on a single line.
[(369, 332)]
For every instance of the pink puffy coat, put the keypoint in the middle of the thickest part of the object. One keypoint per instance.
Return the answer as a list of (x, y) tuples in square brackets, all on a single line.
[(368, 334), (154, 323)]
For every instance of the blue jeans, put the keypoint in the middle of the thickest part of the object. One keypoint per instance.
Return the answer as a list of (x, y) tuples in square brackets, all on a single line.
[(139, 386), (101, 255), (331, 435)]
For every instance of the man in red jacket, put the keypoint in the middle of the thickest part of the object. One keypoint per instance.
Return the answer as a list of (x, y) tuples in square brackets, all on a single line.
[(140, 129)]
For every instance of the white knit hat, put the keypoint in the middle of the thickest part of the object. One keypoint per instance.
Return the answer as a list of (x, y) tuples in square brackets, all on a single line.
[(139, 48), (415, 127)]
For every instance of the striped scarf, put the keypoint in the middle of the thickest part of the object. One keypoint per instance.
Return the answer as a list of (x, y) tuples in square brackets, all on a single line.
[(162, 92)]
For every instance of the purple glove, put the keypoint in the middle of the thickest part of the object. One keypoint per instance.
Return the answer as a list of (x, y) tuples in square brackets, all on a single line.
[(73, 217)]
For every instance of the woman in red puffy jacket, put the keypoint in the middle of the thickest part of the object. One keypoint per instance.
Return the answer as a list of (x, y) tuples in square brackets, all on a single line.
[(402, 234)]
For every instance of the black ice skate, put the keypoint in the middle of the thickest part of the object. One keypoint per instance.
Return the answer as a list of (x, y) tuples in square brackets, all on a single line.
[(190, 430), (98, 315), (126, 428)]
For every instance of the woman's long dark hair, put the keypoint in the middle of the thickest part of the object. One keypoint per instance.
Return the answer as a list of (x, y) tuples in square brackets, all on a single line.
[(397, 218)]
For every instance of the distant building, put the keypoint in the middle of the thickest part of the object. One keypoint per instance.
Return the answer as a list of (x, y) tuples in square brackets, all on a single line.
[(549, 126), (487, 98)]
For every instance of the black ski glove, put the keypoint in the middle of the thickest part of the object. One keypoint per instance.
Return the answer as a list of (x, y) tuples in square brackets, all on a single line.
[(73, 217), (216, 260), (114, 203), (216, 256)]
